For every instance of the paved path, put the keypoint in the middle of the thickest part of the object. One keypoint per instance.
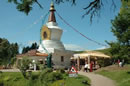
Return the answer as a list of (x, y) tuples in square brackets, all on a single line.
[(13, 70), (98, 80), (10, 70)]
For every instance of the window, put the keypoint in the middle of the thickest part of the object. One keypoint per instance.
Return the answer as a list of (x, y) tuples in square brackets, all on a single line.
[(45, 35), (62, 58)]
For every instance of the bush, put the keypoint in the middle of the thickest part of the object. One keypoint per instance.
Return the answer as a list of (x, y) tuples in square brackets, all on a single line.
[(23, 66), (47, 76), (104, 62), (60, 71)]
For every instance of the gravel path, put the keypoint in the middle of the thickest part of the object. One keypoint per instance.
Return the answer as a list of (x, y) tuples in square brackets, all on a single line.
[(98, 80)]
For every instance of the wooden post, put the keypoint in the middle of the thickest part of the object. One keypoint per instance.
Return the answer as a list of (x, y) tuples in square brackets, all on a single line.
[(88, 59), (78, 63), (89, 62)]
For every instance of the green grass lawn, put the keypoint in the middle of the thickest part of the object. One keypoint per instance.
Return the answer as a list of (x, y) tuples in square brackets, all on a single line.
[(78, 81), (121, 76), (12, 79), (16, 79)]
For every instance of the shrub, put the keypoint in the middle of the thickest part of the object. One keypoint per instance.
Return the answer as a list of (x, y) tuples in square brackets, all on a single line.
[(60, 71), (23, 66), (104, 62), (47, 76)]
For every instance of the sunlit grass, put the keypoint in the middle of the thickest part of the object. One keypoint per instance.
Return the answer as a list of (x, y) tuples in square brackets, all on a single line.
[(122, 77), (16, 79)]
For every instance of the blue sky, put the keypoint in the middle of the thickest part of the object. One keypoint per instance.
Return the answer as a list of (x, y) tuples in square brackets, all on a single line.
[(18, 27)]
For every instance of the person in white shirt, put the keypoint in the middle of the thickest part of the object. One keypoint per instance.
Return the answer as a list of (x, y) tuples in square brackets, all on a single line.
[(86, 67), (120, 64)]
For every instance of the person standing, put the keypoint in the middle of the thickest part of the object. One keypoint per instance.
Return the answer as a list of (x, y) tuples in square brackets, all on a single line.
[(86, 67), (91, 66), (118, 62)]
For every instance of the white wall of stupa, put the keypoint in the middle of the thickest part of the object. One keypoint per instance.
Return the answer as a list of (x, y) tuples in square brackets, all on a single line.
[(54, 40), (50, 42)]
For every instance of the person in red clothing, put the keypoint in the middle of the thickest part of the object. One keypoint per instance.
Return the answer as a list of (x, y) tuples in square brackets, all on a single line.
[(118, 62), (91, 66)]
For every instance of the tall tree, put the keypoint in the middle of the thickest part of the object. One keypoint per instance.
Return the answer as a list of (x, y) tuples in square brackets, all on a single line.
[(7, 51), (4, 50), (34, 46), (121, 29), (27, 48)]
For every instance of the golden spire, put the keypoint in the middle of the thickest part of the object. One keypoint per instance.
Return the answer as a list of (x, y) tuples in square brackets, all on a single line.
[(52, 14), (52, 7)]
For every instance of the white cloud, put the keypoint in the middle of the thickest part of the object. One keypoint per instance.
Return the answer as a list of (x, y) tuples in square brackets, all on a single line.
[(103, 47), (74, 47)]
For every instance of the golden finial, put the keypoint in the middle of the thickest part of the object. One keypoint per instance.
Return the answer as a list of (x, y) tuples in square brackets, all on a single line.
[(52, 14), (52, 7)]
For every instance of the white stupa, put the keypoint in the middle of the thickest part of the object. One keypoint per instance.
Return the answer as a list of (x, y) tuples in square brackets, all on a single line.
[(50, 43)]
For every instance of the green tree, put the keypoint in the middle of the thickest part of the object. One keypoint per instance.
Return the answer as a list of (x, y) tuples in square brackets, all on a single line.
[(7, 51), (28, 48), (25, 49), (34, 46), (4, 50), (121, 29), (14, 49)]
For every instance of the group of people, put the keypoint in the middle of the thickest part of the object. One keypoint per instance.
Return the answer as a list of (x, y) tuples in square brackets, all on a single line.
[(120, 63), (88, 67)]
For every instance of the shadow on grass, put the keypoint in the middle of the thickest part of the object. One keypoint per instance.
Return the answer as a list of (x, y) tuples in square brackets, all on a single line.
[(79, 77), (85, 82), (1, 84), (128, 72), (1, 72)]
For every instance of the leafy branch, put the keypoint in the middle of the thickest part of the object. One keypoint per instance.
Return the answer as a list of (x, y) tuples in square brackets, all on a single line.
[(93, 8)]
